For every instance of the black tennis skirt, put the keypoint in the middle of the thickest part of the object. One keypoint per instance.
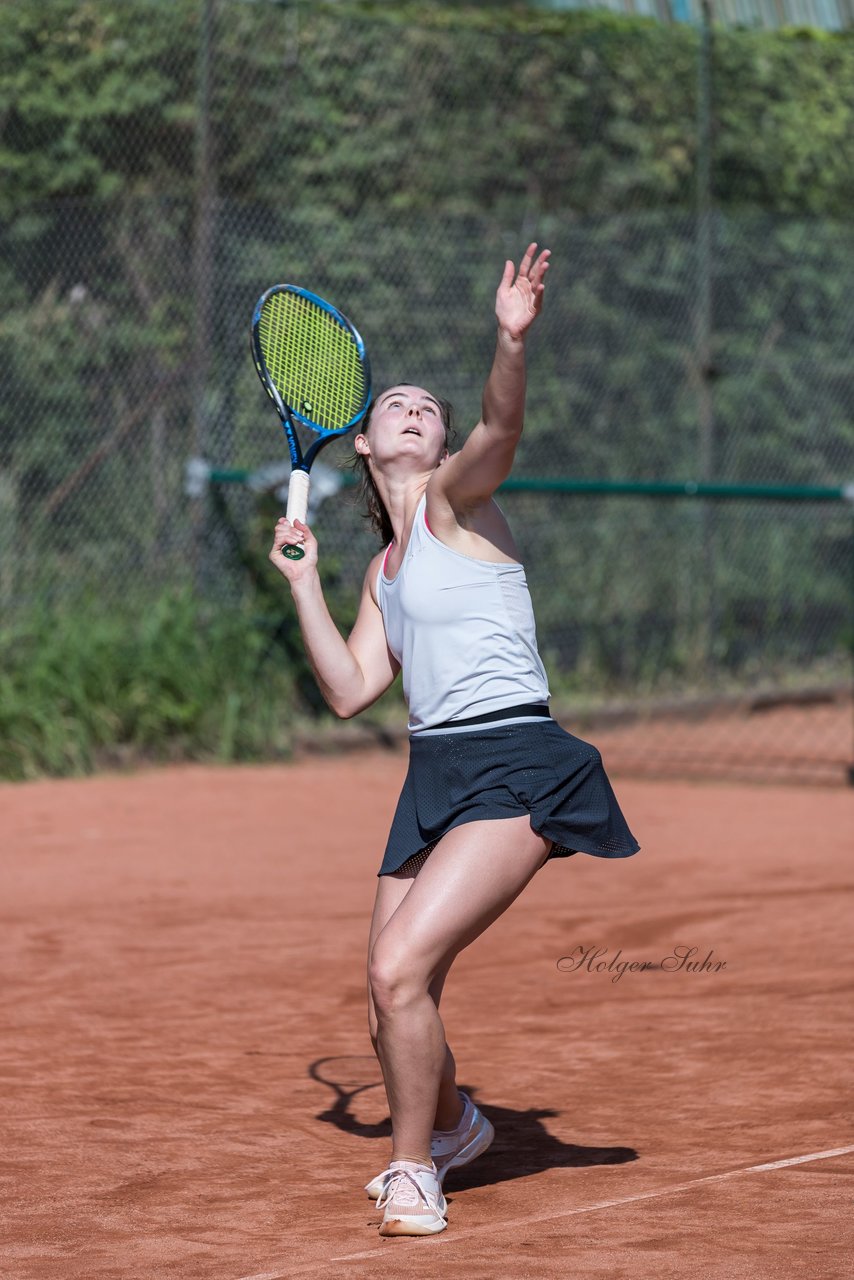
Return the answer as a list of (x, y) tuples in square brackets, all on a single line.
[(534, 768)]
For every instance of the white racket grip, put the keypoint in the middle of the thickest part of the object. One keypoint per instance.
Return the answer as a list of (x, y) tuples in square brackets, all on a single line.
[(298, 496)]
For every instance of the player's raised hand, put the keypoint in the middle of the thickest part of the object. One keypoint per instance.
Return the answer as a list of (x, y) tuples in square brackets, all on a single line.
[(519, 299)]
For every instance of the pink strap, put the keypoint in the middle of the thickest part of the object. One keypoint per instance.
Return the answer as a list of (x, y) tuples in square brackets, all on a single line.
[(426, 521)]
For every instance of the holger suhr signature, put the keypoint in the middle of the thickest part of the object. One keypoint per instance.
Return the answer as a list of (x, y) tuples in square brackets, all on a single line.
[(681, 959)]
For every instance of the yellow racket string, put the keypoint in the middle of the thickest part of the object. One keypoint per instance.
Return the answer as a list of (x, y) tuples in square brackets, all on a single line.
[(313, 361)]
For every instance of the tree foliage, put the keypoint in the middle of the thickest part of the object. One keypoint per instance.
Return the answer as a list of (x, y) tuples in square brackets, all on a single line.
[(393, 154), (444, 108)]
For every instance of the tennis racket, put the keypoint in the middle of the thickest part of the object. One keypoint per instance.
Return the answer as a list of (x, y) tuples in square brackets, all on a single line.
[(313, 366)]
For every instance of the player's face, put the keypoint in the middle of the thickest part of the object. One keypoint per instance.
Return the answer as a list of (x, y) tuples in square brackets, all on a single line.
[(406, 420)]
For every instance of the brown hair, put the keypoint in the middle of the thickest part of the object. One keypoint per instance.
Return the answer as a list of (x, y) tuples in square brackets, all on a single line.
[(369, 496)]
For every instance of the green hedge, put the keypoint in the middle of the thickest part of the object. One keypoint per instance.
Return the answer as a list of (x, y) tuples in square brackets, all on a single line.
[(582, 111), (172, 679)]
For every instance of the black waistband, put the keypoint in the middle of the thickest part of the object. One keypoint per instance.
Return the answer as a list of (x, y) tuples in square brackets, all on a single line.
[(506, 713)]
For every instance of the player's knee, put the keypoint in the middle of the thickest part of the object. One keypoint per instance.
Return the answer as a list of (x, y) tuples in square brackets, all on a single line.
[(393, 977)]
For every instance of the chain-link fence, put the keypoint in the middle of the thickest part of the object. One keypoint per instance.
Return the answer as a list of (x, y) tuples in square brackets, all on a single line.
[(392, 165)]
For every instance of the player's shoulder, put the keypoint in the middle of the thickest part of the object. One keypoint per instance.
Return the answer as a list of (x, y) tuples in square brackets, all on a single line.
[(478, 529), (372, 572)]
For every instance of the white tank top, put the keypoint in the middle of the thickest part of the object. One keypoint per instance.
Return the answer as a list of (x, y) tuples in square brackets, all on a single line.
[(462, 630)]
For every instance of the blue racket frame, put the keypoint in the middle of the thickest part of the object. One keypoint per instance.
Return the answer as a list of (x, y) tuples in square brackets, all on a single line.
[(287, 413)]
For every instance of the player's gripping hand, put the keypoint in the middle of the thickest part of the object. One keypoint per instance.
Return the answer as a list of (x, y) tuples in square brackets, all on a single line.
[(293, 534)]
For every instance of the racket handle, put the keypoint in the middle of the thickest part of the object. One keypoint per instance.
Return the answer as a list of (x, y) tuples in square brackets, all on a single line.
[(297, 508)]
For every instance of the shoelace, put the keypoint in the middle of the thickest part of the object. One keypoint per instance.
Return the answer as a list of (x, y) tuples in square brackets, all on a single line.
[(406, 1190)]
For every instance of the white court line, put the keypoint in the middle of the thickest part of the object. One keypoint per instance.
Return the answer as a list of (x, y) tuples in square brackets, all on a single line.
[(266, 1275), (444, 1240)]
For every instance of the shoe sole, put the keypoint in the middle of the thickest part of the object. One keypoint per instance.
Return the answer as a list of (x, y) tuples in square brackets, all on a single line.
[(400, 1227)]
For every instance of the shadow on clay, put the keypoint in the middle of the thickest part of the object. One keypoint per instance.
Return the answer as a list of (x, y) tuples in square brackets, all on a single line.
[(522, 1146)]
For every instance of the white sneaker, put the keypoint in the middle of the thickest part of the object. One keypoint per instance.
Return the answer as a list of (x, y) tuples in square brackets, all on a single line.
[(471, 1138), (412, 1199)]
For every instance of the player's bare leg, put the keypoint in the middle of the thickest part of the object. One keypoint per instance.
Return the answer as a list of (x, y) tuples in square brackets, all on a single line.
[(391, 890), (469, 880)]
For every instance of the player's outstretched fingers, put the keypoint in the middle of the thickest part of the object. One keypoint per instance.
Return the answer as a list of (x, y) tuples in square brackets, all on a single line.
[(527, 259), (538, 274)]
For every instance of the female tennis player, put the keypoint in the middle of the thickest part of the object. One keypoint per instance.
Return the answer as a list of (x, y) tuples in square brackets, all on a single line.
[(495, 787)]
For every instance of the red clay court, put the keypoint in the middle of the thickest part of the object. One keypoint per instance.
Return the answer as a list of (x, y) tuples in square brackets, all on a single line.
[(184, 961)]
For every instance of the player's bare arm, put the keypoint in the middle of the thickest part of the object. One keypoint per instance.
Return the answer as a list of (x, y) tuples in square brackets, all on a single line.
[(460, 491), (351, 674)]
